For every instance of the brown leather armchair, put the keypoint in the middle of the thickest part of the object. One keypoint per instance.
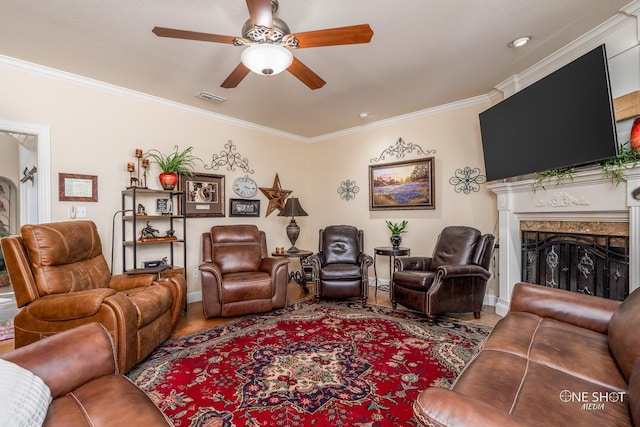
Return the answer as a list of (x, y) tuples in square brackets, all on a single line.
[(61, 280), (453, 280), (341, 268), (237, 275), (79, 367)]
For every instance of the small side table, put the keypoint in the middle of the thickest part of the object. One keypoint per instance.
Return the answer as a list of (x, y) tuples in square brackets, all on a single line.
[(392, 253), (298, 276)]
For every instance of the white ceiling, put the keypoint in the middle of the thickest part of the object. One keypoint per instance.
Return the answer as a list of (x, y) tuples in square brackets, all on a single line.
[(424, 53)]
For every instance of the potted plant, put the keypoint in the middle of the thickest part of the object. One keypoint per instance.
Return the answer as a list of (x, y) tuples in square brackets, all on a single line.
[(396, 228), (172, 164)]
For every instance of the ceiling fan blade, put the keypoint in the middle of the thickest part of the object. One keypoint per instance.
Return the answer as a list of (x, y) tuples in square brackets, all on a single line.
[(236, 76), (335, 36), (305, 75), (261, 13), (192, 35)]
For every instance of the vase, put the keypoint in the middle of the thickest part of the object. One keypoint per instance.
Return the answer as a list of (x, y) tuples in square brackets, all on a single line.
[(635, 134), (168, 180), (395, 239)]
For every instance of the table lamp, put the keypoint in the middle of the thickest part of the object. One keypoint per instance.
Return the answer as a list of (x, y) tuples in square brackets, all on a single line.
[(293, 209)]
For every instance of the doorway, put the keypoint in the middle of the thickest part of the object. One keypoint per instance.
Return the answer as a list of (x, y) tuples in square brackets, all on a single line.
[(25, 190)]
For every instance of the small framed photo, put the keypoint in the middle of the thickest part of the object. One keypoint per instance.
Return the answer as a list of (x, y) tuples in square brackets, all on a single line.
[(204, 195), (164, 206), (77, 188), (244, 207)]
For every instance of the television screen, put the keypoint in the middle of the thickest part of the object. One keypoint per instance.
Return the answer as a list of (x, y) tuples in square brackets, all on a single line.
[(565, 119)]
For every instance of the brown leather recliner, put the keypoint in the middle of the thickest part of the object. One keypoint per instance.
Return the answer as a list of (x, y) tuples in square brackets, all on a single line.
[(341, 268), (79, 367), (61, 280), (453, 280), (237, 275)]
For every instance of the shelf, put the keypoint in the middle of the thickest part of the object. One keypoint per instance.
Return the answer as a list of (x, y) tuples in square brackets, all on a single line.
[(129, 191), (153, 242), (627, 106), (143, 217)]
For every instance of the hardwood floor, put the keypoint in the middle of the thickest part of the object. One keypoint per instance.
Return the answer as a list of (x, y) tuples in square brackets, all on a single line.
[(195, 321)]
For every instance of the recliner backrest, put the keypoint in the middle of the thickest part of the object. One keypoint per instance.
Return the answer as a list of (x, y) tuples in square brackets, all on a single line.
[(341, 244), (237, 248), (65, 256), (456, 245)]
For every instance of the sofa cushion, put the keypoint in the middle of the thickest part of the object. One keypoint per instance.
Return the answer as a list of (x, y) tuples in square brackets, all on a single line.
[(623, 333), (25, 397)]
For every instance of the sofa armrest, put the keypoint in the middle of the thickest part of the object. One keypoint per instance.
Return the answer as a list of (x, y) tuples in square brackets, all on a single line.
[(69, 359), (470, 270), (124, 282), (272, 264), (585, 311), (441, 407), (412, 263), (74, 305)]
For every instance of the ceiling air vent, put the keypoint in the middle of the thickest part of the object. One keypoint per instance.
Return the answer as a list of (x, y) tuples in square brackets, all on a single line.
[(210, 97)]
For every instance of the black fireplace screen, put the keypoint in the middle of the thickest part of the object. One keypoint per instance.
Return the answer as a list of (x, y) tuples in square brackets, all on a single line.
[(586, 263)]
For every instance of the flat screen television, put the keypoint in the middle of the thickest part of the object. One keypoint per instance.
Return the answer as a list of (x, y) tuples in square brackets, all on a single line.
[(565, 119)]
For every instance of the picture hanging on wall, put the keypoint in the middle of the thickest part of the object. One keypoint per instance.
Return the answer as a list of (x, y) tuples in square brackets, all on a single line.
[(204, 195), (402, 185)]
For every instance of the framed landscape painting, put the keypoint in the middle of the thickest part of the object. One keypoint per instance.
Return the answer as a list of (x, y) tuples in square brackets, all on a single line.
[(402, 185)]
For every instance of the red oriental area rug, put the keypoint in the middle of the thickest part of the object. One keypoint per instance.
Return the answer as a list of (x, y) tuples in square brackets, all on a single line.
[(324, 364)]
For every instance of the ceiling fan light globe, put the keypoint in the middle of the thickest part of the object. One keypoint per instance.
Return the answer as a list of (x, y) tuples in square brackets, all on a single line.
[(266, 59)]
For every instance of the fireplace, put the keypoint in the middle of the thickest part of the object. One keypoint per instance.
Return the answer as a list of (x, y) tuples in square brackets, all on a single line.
[(593, 264), (589, 202)]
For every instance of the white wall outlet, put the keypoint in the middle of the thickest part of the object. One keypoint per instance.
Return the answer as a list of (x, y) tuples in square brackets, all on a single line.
[(196, 273)]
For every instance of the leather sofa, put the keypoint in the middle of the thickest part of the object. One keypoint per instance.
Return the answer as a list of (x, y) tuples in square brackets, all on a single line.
[(558, 358), (237, 275), (79, 368), (61, 280)]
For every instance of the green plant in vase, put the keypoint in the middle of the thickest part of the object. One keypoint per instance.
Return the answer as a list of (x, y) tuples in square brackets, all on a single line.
[(172, 164), (396, 228)]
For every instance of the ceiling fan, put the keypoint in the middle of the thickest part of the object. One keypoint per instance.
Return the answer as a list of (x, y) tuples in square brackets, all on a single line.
[(270, 42)]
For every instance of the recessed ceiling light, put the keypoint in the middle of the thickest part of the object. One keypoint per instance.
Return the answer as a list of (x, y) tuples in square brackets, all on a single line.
[(364, 115), (520, 41)]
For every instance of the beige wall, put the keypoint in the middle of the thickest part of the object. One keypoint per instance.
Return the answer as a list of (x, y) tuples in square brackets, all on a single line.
[(455, 136), (94, 130)]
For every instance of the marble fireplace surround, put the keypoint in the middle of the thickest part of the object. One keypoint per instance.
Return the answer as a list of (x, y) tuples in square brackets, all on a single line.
[(588, 199)]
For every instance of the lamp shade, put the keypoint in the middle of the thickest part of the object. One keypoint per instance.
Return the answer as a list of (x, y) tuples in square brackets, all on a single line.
[(293, 208), (266, 59)]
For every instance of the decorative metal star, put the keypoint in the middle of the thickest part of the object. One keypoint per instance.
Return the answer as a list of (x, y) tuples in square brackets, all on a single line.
[(276, 196)]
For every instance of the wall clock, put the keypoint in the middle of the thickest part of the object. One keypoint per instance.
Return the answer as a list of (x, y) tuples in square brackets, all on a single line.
[(245, 187)]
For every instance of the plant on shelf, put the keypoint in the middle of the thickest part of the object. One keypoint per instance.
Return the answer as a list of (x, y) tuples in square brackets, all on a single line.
[(172, 164), (613, 168), (396, 228), (558, 175)]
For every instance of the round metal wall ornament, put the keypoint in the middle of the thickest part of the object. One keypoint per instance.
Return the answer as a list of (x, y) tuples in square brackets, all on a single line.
[(348, 189), (467, 180)]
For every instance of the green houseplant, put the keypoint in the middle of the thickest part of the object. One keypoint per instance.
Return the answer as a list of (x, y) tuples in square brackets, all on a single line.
[(396, 228), (172, 164)]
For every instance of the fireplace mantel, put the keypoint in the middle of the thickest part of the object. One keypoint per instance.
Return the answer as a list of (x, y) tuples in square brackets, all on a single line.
[(589, 196)]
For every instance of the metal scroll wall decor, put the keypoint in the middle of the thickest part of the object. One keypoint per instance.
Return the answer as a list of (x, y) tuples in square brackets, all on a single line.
[(400, 149), (348, 189), (229, 158), (467, 180)]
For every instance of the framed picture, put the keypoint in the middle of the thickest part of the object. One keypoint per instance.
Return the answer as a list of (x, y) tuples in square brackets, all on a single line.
[(164, 206), (204, 195), (244, 207), (77, 188), (402, 185)]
